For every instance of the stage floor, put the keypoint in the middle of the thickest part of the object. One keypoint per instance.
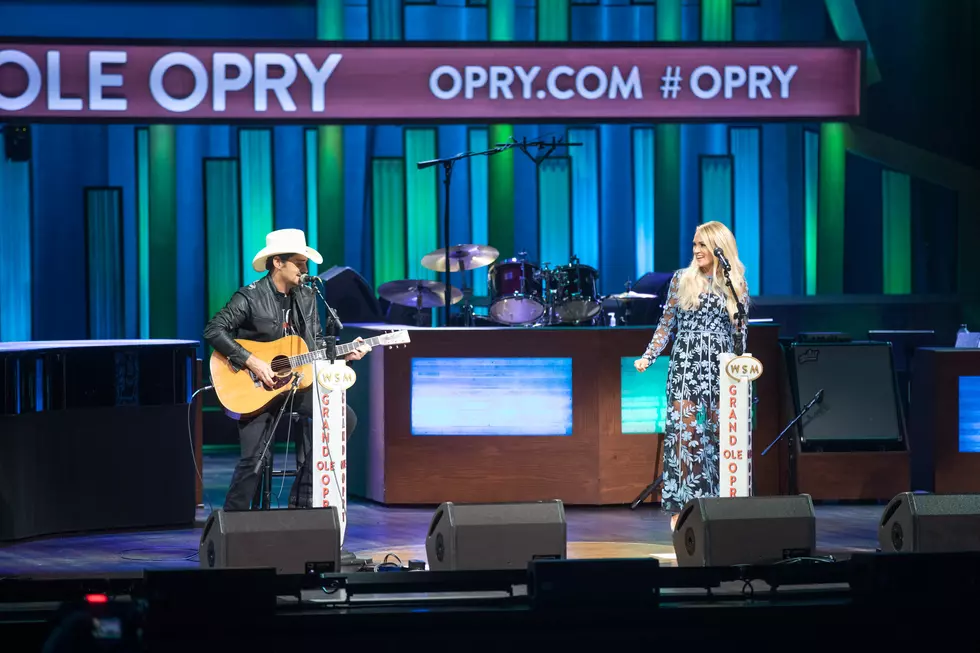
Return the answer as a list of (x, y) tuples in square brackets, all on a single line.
[(375, 531)]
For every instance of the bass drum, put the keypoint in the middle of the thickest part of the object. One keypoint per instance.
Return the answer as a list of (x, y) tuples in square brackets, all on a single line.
[(515, 292), (577, 299)]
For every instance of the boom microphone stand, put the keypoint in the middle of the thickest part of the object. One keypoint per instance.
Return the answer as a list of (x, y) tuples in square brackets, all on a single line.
[(792, 445), (447, 165)]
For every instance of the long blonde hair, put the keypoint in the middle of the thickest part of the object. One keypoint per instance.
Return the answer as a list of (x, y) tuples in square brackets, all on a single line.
[(693, 282)]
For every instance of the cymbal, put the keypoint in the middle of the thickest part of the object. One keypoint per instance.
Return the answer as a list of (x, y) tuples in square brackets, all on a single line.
[(461, 257), (630, 295), (405, 292)]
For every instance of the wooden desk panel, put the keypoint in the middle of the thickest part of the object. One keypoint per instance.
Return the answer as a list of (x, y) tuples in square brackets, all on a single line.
[(938, 465), (597, 464)]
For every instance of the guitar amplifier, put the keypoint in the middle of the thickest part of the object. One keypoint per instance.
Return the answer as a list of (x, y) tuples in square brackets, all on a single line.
[(860, 401)]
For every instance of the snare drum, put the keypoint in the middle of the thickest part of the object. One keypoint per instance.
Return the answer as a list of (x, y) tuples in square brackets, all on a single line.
[(515, 292), (577, 299)]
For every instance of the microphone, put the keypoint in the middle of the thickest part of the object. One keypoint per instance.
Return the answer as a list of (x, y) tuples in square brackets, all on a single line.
[(724, 261), (306, 278)]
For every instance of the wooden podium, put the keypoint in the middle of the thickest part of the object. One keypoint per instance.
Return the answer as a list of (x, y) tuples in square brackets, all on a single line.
[(735, 379), (329, 437)]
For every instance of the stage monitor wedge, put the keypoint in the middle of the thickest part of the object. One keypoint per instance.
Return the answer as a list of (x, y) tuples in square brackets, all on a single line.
[(725, 531), (290, 541), (930, 523), (482, 536)]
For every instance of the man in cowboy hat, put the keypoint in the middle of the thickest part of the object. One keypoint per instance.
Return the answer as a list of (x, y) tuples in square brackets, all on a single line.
[(276, 305)]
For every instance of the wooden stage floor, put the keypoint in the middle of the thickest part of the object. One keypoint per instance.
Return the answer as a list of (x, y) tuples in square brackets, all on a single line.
[(375, 531)]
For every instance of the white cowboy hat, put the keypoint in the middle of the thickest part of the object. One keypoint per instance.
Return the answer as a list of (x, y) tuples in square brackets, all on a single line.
[(285, 241)]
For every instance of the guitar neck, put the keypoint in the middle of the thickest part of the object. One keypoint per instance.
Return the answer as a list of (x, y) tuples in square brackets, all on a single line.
[(342, 350)]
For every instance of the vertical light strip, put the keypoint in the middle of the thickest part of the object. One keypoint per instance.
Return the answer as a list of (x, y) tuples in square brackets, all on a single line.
[(479, 206), (255, 171), (104, 262), (896, 217), (669, 20), (421, 203), (143, 228), (830, 211), (388, 215), (330, 20), (330, 152), (312, 224), (554, 210), (385, 20), (553, 18), (162, 231), (811, 202), (585, 195), (15, 250), (222, 231), (644, 198), (500, 173), (745, 147), (716, 189), (501, 166), (330, 194), (716, 20), (667, 195)]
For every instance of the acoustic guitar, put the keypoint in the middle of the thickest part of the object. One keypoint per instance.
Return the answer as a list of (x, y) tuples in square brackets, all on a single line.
[(242, 392)]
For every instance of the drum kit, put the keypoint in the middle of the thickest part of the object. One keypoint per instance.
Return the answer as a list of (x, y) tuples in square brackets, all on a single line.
[(521, 292)]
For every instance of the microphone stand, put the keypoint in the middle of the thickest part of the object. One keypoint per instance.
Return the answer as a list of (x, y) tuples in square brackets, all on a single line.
[(792, 444), (329, 341), (447, 165), (739, 308), (650, 489), (270, 435)]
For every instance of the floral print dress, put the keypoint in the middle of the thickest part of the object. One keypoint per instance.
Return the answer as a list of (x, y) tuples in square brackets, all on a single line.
[(691, 447)]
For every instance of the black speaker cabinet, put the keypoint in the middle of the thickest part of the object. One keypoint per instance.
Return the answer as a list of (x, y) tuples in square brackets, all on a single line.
[(720, 532), (350, 295), (495, 535), (860, 405), (291, 541), (930, 523)]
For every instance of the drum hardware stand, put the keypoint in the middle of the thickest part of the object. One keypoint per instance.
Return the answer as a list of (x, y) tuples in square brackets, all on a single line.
[(418, 306), (627, 313), (447, 165)]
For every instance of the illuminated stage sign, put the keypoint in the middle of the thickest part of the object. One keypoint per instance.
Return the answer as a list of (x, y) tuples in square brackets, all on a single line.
[(492, 396), (644, 396), (193, 82), (969, 417)]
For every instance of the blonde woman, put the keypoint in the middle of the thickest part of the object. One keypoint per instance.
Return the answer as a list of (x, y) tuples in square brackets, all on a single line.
[(702, 311)]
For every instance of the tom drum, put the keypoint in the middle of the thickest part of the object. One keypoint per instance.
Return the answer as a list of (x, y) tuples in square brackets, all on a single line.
[(577, 297), (515, 292)]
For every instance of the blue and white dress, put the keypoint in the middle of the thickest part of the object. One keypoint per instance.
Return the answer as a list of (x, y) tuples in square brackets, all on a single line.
[(691, 446)]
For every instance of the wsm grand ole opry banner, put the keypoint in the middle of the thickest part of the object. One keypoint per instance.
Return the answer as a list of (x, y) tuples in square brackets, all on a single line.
[(101, 81)]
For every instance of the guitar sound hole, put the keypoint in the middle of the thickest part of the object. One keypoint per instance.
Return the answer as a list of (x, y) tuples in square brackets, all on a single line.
[(281, 368)]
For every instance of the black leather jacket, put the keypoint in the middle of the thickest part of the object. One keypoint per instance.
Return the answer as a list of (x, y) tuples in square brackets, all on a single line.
[(255, 312)]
